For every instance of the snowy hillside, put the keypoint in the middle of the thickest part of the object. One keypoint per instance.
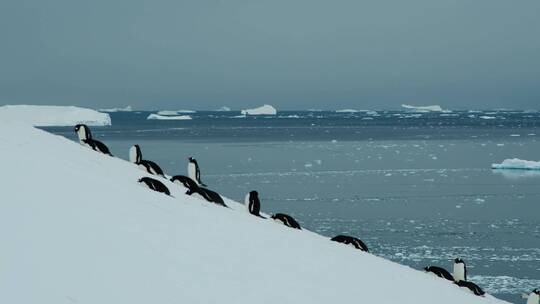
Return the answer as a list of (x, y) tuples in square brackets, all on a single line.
[(76, 227), (53, 115)]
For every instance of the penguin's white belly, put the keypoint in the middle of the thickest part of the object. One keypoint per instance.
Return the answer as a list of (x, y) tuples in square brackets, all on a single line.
[(192, 172)]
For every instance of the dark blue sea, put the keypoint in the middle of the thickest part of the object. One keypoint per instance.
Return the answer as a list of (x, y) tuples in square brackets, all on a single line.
[(417, 188)]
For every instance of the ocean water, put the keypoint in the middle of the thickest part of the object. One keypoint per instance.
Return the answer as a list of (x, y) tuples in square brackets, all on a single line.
[(417, 188)]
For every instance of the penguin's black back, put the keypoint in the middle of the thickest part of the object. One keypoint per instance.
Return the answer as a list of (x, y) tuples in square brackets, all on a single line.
[(155, 185), (349, 240), (150, 164), (472, 287), (212, 196), (286, 220), (440, 272)]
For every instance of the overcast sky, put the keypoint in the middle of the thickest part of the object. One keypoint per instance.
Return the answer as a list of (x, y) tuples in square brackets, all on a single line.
[(294, 54)]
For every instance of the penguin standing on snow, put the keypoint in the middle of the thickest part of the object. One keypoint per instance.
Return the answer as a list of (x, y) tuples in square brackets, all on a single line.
[(349, 240), (253, 204), (85, 139), (286, 220), (155, 185), (135, 156), (460, 270), (533, 297), (440, 272), (193, 171), (460, 278)]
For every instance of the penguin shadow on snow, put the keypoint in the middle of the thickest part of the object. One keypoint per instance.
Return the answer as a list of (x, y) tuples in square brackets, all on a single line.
[(459, 276)]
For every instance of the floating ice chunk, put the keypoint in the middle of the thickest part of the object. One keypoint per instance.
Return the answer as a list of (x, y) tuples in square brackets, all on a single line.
[(112, 110), (423, 109), (224, 109), (517, 164), (347, 111), (263, 110), (44, 116), (487, 117), (171, 113), (165, 117)]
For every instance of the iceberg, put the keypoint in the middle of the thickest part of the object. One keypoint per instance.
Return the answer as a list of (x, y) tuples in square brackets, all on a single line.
[(422, 109), (166, 117), (224, 109), (170, 113), (113, 110), (347, 111), (123, 243), (49, 116), (263, 110), (517, 164)]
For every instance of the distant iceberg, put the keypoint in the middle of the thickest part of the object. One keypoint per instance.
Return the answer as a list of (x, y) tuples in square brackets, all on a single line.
[(177, 112), (47, 116), (224, 109), (126, 109), (166, 117), (517, 164), (264, 110), (423, 109), (347, 111)]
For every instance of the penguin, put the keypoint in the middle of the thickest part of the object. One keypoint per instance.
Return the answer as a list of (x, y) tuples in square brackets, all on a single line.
[(472, 287), (460, 278), (533, 297), (253, 204), (193, 171), (83, 132), (211, 196), (155, 185), (135, 156), (349, 240), (460, 270), (440, 272), (187, 182), (85, 139), (285, 220)]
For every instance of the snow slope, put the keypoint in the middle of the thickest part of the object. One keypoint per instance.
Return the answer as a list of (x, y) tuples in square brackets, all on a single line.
[(262, 110), (76, 227), (516, 163), (45, 116)]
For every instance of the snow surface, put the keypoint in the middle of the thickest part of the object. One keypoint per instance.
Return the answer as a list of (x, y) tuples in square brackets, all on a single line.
[(423, 109), (166, 117), (113, 110), (76, 227), (518, 164), (45, 116), (263, 110)]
